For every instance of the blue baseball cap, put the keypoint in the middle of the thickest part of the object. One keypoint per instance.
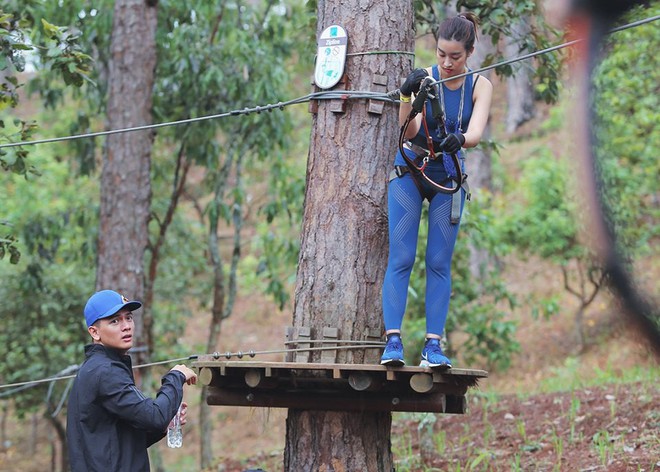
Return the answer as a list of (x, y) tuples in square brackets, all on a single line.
[(106, 303)]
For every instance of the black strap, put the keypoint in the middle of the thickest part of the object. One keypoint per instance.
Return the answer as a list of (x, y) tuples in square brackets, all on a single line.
[(421, 142)]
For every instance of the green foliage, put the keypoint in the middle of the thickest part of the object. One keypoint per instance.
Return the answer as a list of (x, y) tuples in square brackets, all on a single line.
[(627, 109), (60, 52), (44, 294), (207, 65), (63, 55), (42, 327), (497, 21), (8, 245), (543, 218)]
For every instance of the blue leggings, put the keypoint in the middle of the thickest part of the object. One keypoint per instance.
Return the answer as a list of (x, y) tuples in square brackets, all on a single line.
[(404, 208)]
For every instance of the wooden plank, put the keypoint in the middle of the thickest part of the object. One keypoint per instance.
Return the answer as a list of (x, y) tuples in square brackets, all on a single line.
[(205, 375), (348, 401), (336, 386), (380, 85), (421, 382), (444, 376), (373, 354), (330, 355), (288, 335), (456, 404), (303, 333)]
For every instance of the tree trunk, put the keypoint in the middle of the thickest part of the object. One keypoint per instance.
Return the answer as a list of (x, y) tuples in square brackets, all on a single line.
[(215, 326), (59, 444), (125, 179), (3, 427), (479, 163), (343, 251), (224, 288), (519, 87)]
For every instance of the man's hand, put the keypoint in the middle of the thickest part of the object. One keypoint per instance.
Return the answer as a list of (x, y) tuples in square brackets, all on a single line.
[(191, 376), (184, 412), (452, 143), (414, 79)]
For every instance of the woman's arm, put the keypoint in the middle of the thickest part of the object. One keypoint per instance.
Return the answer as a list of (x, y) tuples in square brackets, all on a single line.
[(404, 111), (483, 94)]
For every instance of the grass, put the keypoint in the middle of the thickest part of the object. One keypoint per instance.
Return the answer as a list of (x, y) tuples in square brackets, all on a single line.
[(604, 446), (571, 376), (472, 449)]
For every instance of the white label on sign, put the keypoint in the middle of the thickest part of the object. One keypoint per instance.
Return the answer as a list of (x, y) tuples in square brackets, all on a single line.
[(330, 57)]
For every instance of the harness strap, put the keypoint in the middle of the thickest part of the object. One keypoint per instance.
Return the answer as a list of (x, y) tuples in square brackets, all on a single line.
[(397, 172), (455, 215)]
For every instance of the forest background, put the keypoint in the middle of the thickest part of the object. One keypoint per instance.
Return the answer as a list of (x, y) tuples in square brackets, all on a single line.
[(226, 208)]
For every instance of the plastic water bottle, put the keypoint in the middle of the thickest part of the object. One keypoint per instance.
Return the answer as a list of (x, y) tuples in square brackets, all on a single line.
[(174, 433)]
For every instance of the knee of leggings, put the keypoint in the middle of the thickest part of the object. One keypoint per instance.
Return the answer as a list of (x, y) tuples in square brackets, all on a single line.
[(402, 259), (440, 264)]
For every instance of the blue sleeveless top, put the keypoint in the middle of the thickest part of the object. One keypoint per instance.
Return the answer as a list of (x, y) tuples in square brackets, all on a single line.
[(452, 100)]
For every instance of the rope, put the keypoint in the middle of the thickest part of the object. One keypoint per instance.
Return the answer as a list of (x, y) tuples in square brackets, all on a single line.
[(324, 95), (357, 345), (239, 354), (368, 53), (540, 52), (33, 383)]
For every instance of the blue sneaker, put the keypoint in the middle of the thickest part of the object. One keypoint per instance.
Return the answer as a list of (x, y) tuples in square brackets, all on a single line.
[(393, 353), (432, 355)]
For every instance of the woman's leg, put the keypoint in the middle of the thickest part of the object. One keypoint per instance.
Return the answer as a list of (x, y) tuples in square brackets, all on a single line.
[(404, 211), (439, 251)]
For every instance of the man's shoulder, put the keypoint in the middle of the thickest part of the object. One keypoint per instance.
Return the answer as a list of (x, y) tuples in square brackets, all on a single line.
[(97, 359)]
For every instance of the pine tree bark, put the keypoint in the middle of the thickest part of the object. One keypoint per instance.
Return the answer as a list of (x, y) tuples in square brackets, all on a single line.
[(479, 162), (125, 179), (519, 87), (343, 251)]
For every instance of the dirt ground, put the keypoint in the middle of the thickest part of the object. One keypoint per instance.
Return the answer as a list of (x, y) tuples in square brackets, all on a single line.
[(614, 428), (511, 424)]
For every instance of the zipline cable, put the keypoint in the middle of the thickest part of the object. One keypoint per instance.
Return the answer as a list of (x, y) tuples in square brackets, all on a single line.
[(228, 355), (324, 95), (638, 305), (531, 55), (33, 383)]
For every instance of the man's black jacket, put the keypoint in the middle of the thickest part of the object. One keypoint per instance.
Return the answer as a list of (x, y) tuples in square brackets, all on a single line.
[(110, 423)]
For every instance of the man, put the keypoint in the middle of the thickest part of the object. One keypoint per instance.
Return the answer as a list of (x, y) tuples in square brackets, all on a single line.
[(110, 422)]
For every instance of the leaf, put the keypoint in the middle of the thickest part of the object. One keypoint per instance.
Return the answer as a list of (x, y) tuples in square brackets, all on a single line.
[(22, 47), (14, 255), (51, 30), (54, 51)]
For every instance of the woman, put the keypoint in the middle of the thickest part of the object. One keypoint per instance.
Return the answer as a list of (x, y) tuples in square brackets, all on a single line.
[(466, 103)]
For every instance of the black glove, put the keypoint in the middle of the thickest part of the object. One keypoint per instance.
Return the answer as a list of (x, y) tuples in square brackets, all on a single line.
[(452, 143), (411, 85)]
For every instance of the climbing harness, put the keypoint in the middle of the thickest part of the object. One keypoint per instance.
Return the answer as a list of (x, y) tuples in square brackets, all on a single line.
[(424, 152), (417, 166)]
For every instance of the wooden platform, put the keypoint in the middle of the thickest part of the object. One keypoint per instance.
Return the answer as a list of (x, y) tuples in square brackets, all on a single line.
[(339, 387)]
